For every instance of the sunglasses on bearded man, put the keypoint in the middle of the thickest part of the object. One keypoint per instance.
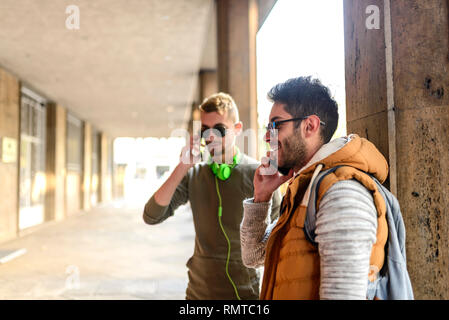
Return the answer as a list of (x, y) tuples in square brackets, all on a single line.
[(206, 131)]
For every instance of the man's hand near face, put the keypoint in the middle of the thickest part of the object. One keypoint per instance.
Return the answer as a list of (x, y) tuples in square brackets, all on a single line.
[(190, 155), (266, 181)]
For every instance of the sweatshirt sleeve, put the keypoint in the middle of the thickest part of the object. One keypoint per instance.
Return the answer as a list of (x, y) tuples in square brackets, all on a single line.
[(154, 213), (346, 230), (254, 232)]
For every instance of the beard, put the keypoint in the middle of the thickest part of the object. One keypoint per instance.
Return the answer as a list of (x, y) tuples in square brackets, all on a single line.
[(293, 154), (284, 170)]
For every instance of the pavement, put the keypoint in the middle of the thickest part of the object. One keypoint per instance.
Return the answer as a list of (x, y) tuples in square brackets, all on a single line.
[(105, 253)]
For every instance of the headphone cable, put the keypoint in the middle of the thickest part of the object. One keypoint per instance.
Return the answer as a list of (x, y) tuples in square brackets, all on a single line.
[(227, 239)]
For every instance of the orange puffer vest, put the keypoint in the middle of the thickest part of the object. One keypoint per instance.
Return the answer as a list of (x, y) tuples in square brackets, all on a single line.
[(292, 263)]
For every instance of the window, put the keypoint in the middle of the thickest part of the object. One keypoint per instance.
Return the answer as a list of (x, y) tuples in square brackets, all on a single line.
[(32, 178)]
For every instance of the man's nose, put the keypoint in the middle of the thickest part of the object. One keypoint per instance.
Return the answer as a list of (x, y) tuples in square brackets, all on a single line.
[(214, 138)]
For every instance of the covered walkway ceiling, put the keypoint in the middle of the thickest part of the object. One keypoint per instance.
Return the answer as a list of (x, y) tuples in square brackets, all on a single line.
[(130, 69)]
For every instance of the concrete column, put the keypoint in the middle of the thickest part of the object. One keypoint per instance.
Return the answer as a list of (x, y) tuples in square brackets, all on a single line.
[(366, 87), (208, 84), (112, 168), (105, 181), (9, 154), (396, 82), (194, 112), (119, 181), (95, 178), (237, 25), (74, 175), (55, 208), (87, 167)]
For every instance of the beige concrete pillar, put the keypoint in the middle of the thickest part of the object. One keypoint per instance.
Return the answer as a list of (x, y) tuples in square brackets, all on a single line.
[(105, 181), (397, 96), (366, 91), (208, 84), (74, 172), (55, 208), (87, 167), (9, 154), (237, 25), (111, 168)]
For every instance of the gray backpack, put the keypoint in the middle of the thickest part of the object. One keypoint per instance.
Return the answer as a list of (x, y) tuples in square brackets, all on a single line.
[(393, 281)]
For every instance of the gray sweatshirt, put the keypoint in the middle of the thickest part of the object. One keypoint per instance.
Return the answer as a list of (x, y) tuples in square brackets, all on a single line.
[(346, 229)]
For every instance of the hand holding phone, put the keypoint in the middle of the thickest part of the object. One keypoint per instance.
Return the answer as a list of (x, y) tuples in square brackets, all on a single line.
[(191, 153), (266, 182)]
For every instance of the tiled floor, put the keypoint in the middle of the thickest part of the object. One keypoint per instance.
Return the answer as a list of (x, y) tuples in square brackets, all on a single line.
[(106, 253)]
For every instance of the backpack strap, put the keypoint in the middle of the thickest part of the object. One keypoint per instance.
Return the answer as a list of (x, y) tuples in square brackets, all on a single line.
[(310, 221), (393, 281)]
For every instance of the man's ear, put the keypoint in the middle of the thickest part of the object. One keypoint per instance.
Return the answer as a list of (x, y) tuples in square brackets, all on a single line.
[(311, 126), (238, 128)]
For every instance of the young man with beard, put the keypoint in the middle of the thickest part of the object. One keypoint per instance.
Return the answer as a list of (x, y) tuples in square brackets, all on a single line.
[(215, 191), (351, 229)]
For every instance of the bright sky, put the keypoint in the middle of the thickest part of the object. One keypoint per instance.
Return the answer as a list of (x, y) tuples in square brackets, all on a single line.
[(301, 38)]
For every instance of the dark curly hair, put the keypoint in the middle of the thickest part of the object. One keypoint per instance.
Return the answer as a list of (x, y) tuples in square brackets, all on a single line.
[(304, 96)]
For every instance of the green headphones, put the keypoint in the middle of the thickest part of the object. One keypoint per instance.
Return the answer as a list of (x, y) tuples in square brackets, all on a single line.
[(223, 171)]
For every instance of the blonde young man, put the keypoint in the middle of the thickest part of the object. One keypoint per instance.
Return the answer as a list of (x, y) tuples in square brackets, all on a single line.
[(215, 190)]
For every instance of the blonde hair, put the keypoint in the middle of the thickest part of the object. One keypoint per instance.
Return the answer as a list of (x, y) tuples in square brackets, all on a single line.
[(222, 103)]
